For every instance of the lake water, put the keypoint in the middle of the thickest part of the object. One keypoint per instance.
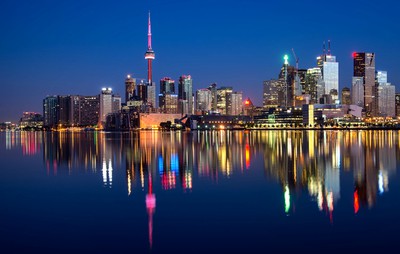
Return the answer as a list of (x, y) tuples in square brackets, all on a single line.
[(199, 192)]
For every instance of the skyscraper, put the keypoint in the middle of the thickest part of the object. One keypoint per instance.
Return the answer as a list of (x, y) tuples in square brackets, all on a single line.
[(116, 103), (397, 99), (273, 93), (386, 100), (213, 89), (314, 84), (151, 97), (203, 100), (235, 105), (381, 77), (167, 85), (223, 99), (106, 103), (385, 96), (89, 110), (84, 110), (63, 110), (364, 66), (329, 70), (130, 88), (185, 94), (288, 75), (170, 103), (357, 88), (168, 100), (50, 111)]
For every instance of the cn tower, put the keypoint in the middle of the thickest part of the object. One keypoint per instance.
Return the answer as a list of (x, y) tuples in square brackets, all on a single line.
[(150, 55)]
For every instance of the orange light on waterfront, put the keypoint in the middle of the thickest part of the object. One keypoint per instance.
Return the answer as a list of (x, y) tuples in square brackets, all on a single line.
[(356, 202), (247, 156)]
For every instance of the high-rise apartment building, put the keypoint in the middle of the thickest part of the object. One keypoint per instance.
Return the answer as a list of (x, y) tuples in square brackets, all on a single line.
[(397, 101), (167, 96), (386, 100), (223, 99), (63, 110), (130, 88), (116, 103), (170, 104), (89, 110), (106, 104), (235, 105), (203, 100), (185, 94), (214, 99), (50, 111), (167, 85), (273, 93), (84, 110)]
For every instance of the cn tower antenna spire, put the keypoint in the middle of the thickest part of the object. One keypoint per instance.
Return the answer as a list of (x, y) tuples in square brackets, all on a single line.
[(149, 34), (149, 55)]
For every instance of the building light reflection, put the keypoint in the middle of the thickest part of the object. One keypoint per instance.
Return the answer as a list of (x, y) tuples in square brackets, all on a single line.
[(287, 199)]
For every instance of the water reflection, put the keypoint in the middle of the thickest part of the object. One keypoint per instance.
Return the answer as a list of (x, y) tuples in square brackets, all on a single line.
[(311, 160), (300, 161)]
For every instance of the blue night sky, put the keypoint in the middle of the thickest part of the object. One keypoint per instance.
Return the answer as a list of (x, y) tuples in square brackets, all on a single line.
[(78, 47)]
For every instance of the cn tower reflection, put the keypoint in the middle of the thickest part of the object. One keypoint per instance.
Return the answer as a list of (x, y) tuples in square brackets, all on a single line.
[(151, 207)]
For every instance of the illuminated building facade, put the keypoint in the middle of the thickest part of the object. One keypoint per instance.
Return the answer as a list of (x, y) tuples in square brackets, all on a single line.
[(235, 105), (116, 103), (214, 96), (63, 110), (364, 67), (346, 96), (386, 100), (314, 84), (381, 77), (106, 104), (203, 100), (149, 55), (273, 93), (31, 120), (168, 102), (84, 110), (223, 99), (357, 94), (167, 85), (130, 88), (185, 94), (397, 101), (287, 75), (50, 111), (330, 73)]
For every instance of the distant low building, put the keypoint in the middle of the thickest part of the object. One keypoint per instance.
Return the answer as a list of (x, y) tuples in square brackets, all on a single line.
[(31, 120)]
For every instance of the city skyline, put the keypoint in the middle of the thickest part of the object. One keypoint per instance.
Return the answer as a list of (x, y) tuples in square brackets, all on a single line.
[(48, 51)]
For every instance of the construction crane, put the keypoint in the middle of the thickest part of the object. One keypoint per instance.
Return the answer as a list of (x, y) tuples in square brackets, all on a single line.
[(297, 86), (297, 59)]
